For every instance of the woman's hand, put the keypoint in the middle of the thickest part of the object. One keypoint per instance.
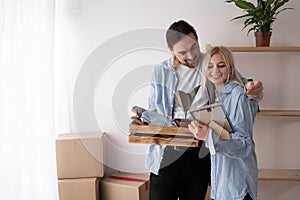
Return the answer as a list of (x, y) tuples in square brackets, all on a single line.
[(199, 130)]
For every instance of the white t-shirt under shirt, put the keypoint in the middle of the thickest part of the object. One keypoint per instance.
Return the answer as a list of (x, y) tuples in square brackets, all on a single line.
[(188, 79)]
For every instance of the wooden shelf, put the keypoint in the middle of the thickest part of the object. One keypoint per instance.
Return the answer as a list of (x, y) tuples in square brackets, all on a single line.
[(260, 49), (266, 49), (289, 175), (284, 113)]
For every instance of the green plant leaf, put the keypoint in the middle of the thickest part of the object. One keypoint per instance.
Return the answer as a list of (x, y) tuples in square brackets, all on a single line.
[(260, 4), (244, 4), (261, 16), (238, 17), (269, 2), (283, 10)]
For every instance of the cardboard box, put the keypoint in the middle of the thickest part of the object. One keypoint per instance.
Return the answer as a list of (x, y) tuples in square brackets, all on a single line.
[(79, 189), (79, 155), (125, 186)]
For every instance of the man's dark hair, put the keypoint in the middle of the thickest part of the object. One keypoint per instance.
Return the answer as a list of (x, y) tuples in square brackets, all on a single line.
[(177, 31)]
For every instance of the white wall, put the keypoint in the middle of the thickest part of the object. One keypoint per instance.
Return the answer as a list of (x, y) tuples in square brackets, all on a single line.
[(94, 37)]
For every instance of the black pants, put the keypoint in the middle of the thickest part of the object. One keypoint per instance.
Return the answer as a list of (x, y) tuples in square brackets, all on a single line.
[(184, 175), (247, 197)]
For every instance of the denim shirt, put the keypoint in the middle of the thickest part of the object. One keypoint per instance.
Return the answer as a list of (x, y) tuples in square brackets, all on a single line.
[(234, 170), (161, 99)]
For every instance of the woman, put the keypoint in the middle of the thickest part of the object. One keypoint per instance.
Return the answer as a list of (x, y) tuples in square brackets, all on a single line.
[(234, 170)]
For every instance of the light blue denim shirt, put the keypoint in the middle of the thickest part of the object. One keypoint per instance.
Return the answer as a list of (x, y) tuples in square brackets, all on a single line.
[(234, 166), (161, 99)]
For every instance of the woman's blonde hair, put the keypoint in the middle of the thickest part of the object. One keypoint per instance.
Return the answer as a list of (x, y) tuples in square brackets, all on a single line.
[(229, 62)]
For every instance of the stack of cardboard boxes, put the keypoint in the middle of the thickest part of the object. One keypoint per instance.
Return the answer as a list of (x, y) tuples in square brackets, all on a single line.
[(81, 170), (79, 166)]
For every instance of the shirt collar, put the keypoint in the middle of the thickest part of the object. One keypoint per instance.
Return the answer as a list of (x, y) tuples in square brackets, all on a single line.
[(229, 87)]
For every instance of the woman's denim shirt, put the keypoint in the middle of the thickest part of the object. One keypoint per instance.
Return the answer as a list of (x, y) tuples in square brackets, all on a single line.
[(233, 165)]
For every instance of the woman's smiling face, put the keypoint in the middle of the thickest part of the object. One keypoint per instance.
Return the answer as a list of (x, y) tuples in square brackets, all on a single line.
[(217, 71)]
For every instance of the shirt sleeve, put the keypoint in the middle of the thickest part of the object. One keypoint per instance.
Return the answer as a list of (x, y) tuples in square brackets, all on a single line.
[(152, 93), (245, 81), (241, 143)]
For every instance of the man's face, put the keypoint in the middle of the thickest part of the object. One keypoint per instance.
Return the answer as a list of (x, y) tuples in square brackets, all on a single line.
[(187, 51)]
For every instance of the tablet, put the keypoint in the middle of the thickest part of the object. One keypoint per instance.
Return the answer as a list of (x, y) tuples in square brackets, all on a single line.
[(214, 112)]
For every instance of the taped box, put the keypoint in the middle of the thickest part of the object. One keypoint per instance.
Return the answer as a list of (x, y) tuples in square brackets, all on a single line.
[(122, 185), (161, 135), (79, 189), (79, 155)]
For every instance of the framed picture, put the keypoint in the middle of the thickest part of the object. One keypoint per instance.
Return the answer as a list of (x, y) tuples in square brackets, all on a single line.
[(214, 112)]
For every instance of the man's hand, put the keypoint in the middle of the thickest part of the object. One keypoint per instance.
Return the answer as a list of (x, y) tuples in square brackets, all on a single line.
[(254, 89), (138, 111)]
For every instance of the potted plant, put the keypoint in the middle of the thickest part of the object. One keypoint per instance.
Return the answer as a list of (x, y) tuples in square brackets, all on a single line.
[(260, 18)]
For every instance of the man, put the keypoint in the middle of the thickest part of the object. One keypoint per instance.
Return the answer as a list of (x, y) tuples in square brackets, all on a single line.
[(178, 172)]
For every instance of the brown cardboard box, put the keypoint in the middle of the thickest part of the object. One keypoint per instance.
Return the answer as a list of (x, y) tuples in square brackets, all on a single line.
[(79, 189), (125, 186), (79, 155)]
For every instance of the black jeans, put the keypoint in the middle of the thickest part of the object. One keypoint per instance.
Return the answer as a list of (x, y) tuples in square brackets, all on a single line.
[(247, 197), (184, 175)]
